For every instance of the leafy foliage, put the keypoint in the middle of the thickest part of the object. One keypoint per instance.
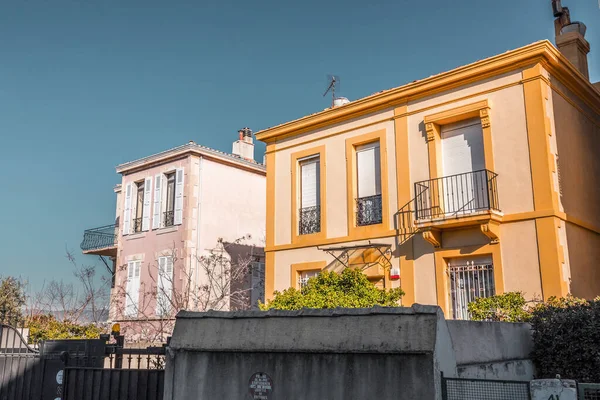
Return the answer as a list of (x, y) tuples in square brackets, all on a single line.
[(12, 300), (565, 332), (566, 338), (350, 289), (47, 327), (507, 307)]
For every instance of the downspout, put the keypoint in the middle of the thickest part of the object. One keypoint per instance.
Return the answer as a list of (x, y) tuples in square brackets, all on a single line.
[(198, 222)]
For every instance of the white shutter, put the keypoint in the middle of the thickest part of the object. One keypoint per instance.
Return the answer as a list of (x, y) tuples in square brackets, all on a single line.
[(309, 184), (147, 203), (179, 196), (462, 147), (165, 285), (127, 211), (157, 213), (132, 288), (368, 166)]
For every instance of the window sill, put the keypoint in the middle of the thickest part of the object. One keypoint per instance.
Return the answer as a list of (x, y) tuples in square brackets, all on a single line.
[(134, 236), (163, 231)]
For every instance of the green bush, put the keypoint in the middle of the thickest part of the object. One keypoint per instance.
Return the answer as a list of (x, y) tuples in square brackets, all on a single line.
[(566, 332), (350, 289), (507, 307), (566, 336), (46, 327)]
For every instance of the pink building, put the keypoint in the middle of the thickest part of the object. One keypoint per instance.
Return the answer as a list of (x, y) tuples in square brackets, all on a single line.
[(188, 234)]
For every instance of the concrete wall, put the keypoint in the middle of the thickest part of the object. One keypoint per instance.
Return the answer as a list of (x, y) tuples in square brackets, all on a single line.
[(507, 358), (349, 354)]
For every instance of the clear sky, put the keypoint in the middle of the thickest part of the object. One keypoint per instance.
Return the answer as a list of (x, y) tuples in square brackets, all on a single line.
[(88, 84)]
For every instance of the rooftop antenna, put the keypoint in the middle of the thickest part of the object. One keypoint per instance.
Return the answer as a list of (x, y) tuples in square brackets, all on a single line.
[(333, 81)]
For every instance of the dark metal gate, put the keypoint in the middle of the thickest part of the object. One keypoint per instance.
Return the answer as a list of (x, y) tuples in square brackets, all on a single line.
[(127, 374), (21, 369), (484, 389)]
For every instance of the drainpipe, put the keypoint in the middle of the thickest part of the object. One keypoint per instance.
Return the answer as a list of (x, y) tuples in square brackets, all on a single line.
[(198, 221)]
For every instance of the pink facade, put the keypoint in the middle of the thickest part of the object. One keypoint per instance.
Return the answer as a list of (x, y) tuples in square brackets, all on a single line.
[(172, 209)]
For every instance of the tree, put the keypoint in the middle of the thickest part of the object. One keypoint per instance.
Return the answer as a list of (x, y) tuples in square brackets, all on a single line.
[(216, 282), (12, 300), (350, 289), (81, 303)]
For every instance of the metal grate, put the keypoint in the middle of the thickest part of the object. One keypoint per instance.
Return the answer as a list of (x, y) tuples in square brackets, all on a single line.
[(467, 283), (99, 238), (588, 391), (479, 389), (456, 195), (310, 220), (369, 210), (168, 218)]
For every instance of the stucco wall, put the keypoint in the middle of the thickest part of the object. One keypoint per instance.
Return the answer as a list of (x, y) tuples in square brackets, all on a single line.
[(337, 217), (585, 261), (578, 140), (148, 246), (520, 260), (509, 136)]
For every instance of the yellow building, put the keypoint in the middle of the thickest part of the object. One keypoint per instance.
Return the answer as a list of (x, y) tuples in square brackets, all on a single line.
[(477, 181)]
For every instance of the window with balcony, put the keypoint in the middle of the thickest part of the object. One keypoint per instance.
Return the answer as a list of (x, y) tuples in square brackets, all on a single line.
[(169, 214), (310, 207), (139, 207), (368, 172), (168, 199)]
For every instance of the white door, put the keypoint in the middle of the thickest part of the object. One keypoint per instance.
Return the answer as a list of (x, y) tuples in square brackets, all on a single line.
[(463, 186)]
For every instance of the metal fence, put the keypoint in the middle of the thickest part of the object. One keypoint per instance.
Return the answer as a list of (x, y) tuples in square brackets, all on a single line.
[(484, 389), (113, 384), (588, 391)]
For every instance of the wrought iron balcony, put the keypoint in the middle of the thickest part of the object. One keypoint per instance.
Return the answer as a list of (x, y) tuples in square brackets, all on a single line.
[(168, 218), (369, 210), (102, 240), (310, 220), (137, 224), (456, 195)]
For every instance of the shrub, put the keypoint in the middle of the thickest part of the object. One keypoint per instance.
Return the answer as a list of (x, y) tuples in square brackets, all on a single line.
[(507, 307), (46, 327), (566, 335), (350, 289)]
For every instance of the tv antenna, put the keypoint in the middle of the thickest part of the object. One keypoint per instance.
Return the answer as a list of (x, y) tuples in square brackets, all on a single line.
[(333, 81)]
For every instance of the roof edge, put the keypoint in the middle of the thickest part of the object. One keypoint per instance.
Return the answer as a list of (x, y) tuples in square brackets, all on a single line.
[(191, 148), (541, 51)]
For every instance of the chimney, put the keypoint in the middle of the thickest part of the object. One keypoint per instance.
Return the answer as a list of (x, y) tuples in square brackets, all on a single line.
[(244, 146), (570, 38)]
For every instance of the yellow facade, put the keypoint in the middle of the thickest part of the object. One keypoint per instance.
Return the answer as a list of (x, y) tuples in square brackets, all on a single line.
[(544, 212)]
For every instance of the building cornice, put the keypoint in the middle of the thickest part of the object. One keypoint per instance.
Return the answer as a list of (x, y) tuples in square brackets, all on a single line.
[(191, 148), (542, 52)]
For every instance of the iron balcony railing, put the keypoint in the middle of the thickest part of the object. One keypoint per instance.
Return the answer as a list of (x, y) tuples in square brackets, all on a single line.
[(168, 218), (369, 210), (456, 195), (137, 224), (100, 238), (310, 220)]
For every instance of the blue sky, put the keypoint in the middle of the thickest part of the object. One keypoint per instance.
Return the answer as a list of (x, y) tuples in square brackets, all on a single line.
[(86, 85)]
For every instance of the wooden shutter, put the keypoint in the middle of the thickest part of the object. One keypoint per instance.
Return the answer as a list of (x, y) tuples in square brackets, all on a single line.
[(165, 285), (127, 211), (132, 288), (368, 167), (309, 184), (147, 204), (157, 212), (178, 196)]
